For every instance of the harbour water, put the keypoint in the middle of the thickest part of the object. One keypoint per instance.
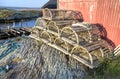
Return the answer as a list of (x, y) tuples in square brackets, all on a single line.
[(27, 23)]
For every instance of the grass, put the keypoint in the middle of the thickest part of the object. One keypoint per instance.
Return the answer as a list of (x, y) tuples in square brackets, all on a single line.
[(5, 13), (40, 43), (110, 69), (8, 14)]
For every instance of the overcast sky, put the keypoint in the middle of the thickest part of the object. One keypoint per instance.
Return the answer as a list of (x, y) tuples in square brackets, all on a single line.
[(23, 3)]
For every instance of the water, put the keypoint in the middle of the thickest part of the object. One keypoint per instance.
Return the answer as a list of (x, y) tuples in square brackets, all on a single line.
[(27, 23), (9, 45)]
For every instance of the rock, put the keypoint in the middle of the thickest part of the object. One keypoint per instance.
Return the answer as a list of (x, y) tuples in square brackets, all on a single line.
[(18, 15), (43, 62)]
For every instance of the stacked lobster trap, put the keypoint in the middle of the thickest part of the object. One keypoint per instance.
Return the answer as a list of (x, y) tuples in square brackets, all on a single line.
[(65, 31)]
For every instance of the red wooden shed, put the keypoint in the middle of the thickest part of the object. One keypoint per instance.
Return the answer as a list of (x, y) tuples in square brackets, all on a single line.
[(103, 12)]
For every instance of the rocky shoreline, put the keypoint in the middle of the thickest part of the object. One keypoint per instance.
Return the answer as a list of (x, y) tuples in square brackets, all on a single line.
[(35, 60), (8, 15)]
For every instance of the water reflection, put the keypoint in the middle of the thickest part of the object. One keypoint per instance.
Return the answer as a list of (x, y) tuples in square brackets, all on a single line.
[(27, 23)]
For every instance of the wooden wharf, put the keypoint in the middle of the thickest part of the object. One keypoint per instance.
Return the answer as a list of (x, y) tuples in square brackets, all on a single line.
[(13, 32)]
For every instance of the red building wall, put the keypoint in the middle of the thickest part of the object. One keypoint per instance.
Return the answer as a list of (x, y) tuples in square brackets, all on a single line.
[(105, 12)]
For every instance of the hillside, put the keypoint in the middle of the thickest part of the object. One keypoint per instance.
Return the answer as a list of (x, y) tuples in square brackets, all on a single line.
[(8, 14)]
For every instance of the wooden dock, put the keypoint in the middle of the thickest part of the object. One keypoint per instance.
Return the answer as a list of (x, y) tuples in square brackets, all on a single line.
[(9, 33)]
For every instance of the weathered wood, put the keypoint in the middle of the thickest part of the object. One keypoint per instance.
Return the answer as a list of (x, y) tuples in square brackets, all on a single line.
[(41, 22), (45, 35), (4, 34), (57, 14), (15, 31), (89, 56), (117, 50), (27, 30), (90, 46), (94, 46), (65, 52), (69, 30), (52, 26), (81, 41), (61, 43)]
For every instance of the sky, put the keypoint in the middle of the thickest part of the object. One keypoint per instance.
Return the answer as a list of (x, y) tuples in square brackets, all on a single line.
[(23, 3)]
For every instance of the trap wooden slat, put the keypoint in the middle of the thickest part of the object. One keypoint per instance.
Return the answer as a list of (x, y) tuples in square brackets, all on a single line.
[(67, 53)]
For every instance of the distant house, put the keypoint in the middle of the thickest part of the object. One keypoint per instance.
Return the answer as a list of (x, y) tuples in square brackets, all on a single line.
[(52, 4)]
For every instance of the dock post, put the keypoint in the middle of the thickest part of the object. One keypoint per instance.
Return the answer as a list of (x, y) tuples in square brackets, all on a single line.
[(8, 27), (13, 26)]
